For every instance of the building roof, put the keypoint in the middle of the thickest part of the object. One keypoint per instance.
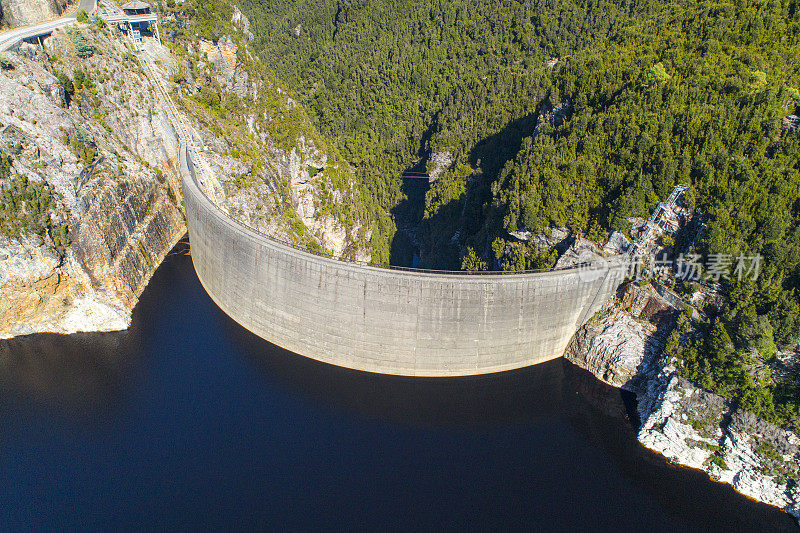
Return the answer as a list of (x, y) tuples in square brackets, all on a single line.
[(136, 4)]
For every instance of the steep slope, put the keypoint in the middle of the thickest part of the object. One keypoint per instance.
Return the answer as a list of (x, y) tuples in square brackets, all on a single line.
[(265, 162), (24, 12), (90, 199)]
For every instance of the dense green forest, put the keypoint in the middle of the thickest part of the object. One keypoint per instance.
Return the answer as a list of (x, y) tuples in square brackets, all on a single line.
[(648, 94), (393, 81)]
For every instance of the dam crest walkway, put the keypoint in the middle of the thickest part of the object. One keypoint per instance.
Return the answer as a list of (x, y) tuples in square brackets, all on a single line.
[(380, 319)]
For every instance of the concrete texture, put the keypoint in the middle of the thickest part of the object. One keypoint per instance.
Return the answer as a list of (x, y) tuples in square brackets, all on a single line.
[(385, 320)]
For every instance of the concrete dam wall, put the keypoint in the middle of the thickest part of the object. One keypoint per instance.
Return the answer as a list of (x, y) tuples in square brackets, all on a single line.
[(385, 320)]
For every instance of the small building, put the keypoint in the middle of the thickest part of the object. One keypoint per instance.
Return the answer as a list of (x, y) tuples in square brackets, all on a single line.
[(135, 18), (136, 7)]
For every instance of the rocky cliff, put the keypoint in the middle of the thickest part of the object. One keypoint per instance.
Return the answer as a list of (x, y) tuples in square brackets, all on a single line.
[(89, 136), (689, 426), (23, 12), (264, 161), (91, 199), (692, 427)]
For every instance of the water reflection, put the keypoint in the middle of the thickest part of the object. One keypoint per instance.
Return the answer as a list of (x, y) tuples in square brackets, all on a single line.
[(474, 401), (73, 374), (605, 416), (189, 408)]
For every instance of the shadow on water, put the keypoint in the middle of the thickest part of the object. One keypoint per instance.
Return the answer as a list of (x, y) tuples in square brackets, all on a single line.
[(227, 428), (606, 417), (468, 402), (83, 374), (80, 375)]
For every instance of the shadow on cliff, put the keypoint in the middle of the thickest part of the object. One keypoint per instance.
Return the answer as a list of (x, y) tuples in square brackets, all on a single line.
[(437, 240), (405, 247), (492, 153), (407, 214)]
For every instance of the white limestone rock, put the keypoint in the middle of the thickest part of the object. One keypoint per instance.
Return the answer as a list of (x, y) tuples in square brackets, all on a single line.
[(242, 23), (760, 461), (617, 243), (83, 314), (616, 348), (25, 261), (92, 314), (582, 251), (24, 12), (438, 163), (680, 421), (690, 427), (550, 237)]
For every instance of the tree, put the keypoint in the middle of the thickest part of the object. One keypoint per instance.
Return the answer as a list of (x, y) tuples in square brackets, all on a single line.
[(471, 262)]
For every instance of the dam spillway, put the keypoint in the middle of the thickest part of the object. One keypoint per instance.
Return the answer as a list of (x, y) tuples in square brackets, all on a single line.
[(390, 321)]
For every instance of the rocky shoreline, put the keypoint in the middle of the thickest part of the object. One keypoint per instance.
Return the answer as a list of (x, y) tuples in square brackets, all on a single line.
[(91, 195), (685, 424), (88, 137)]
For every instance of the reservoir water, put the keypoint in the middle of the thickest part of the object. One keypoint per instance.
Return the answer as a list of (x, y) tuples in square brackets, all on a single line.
[(187, 421)]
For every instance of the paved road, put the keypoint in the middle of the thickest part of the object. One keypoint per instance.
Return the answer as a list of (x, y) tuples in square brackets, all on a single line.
[(12, 37)]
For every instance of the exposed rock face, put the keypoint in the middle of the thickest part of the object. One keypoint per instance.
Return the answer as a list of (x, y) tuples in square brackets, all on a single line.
[(121, 205), (439, 162), (761, 461), (34, 287), (581, 251), (255, 199), (616, 348), (552, 114), (25, 260), (680, 421), (299, 187), (553, 236), (698, 429), (617, 243), (23, 12), (228, 72), (242, 23), (687, 425)]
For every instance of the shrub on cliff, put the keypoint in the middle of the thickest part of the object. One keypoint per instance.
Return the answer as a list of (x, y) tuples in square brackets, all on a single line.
[(82, 80), (66, 84), (5, 165), (83, 47), (83, 146)]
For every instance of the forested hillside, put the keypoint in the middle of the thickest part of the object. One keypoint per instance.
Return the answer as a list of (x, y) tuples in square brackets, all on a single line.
[(641, 95), (394, 81), (274, 170)]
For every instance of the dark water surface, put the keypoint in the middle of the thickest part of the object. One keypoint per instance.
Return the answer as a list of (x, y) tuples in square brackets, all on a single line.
[(188, 421)]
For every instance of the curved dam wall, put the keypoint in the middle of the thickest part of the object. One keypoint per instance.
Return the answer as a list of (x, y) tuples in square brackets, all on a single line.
[(384, 320)]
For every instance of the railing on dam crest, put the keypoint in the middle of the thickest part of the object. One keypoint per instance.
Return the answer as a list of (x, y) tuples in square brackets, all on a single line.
[(186, 154)]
